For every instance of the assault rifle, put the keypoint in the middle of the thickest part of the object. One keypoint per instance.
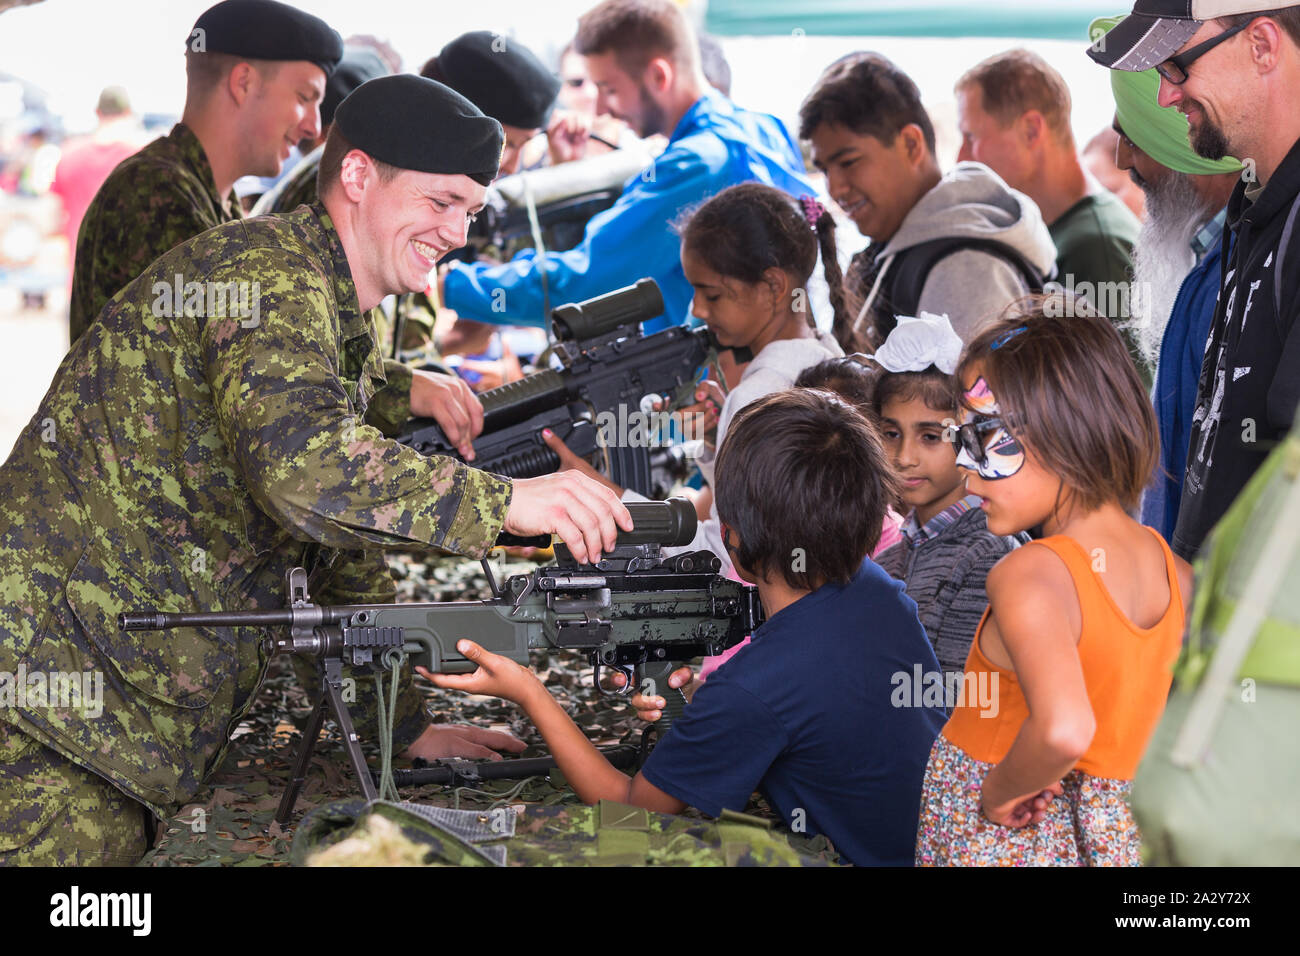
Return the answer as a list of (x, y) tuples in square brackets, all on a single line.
[(607, 368), (635, 611)]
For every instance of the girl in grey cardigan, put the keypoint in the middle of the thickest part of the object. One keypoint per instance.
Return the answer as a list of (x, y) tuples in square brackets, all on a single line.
[(946, 551)]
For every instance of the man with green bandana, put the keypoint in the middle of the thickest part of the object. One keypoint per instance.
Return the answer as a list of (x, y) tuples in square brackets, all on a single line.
[(1176, 262), (225, 419)]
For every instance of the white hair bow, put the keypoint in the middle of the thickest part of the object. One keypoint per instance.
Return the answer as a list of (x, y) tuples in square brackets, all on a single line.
[(918, 342)]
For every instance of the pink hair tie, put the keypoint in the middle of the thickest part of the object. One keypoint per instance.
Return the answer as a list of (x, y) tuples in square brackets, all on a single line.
[(812, 210)]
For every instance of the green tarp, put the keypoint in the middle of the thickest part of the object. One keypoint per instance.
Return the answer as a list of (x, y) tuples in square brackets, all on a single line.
[(1040, 19)]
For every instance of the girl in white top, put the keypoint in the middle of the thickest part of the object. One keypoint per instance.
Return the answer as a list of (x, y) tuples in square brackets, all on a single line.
[(748, 252)]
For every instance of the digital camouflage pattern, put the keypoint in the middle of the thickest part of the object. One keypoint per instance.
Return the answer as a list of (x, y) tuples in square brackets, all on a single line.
[(184, 463), (56, 813), (151, 202), (605, 834)]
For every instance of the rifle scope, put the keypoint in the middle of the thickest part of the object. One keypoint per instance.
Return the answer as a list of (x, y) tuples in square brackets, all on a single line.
[(580, 321), (670, 523)]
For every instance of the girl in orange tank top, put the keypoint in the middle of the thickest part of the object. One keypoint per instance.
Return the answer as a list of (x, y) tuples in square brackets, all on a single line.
[(1071, 664)]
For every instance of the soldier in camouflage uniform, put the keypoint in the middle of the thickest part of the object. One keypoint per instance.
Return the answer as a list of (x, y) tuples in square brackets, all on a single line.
[(507, 82), (191, 449), (241, 118), (298, 187)]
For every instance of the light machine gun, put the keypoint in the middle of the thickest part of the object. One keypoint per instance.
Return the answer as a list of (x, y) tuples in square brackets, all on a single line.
[(635, 611), (608, 369)]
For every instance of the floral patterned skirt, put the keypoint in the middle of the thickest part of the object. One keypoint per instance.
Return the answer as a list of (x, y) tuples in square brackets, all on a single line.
[(1089, 825)]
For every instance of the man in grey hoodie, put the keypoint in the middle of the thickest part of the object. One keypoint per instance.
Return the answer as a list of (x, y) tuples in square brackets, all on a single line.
[(962, 244)]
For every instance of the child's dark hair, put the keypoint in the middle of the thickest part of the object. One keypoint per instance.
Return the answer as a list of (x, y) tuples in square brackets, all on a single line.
[(866, 93), (845, 376), (935, 388), (747, 229), (808, 448), (1067, 388)]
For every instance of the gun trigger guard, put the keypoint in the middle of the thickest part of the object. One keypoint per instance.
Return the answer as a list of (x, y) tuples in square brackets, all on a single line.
[(628, 688)]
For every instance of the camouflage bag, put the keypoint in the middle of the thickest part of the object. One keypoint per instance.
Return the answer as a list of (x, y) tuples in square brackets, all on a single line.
[(606, 834), (1217, 785)]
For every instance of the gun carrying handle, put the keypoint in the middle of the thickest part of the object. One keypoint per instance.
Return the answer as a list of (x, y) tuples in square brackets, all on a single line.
[(657, 672)]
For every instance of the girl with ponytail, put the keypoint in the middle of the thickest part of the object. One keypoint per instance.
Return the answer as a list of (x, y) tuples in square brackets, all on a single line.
[(749, 252)]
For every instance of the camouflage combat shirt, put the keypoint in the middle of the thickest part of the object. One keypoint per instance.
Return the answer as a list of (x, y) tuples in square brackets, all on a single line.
[(151, 202), (183, 462)]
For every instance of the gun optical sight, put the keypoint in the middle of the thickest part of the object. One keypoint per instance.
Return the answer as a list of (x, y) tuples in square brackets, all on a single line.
[(581, 321), (670, 523)]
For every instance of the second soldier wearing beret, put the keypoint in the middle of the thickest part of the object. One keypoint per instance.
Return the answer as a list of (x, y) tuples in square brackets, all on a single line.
[(505, 80), (200, 450), (255, 73)]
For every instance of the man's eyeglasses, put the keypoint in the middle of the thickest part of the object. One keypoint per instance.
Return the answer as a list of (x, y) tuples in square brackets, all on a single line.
[(1175, 69), (999, 456)]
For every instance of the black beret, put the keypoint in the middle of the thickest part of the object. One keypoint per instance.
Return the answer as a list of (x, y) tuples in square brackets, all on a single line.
[(414, 123), (358, 65), (501, 77), (266, 30)]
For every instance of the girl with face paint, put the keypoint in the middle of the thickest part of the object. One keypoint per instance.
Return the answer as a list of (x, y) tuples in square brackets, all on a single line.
[(1071, 663)]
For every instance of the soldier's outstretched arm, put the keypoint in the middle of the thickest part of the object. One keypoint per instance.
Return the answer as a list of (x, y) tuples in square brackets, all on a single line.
[(298, 436)]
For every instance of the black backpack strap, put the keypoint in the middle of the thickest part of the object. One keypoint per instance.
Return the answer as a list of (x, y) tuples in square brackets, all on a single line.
[(1284, 396), (1280, 256), (912, 266)]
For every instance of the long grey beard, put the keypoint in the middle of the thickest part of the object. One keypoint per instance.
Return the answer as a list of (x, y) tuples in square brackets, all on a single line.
[(1162, 258)]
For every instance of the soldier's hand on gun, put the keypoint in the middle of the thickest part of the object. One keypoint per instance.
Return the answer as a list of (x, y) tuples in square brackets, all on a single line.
[(450, 401), (583, 512), (458, 740), (571, 462), (650, 708), (496, 675)]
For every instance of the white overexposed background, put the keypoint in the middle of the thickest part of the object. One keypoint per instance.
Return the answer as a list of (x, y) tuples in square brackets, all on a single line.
[(72, 49)]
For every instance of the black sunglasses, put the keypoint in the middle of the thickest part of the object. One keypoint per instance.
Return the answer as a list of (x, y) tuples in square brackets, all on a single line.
[(1175, 68), (970, 437)]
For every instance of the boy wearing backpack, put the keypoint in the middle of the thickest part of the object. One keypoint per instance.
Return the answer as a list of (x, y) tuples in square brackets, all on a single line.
[(964, 244)]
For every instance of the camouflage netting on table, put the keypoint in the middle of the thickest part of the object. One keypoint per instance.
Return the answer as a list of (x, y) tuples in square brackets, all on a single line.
[(607, 834)]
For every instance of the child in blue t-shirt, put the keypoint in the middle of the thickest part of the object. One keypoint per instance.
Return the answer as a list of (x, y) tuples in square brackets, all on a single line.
[(810, 713)]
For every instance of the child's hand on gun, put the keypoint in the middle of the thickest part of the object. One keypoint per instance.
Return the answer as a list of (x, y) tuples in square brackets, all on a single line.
[(588, 771), (701, 419), (1023, 810), (496, 676), (571, 462), (650, 709)]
